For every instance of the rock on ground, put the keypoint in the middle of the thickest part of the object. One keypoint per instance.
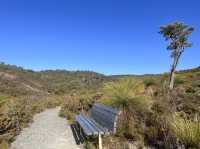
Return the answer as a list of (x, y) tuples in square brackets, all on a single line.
[(48, 131)]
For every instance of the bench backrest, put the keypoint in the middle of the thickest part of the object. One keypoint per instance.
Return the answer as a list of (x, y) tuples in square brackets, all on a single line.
[(106, 116)]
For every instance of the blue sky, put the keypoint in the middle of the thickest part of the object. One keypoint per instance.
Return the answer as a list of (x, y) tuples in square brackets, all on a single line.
[(107, 36)]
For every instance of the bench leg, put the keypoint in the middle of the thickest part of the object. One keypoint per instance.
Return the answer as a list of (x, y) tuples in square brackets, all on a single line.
[(100, 142)]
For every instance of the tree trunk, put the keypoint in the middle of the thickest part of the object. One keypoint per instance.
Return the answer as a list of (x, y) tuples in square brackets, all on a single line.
[(172, 74), (171, 82)]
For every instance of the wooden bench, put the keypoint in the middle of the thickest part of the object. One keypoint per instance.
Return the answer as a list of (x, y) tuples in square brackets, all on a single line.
[(101, 121)]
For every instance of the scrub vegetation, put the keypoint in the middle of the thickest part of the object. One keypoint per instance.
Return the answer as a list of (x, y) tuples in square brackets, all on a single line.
[(152, 116)]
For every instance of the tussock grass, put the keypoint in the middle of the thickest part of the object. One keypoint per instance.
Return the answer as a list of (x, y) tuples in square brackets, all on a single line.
[(187, 131), (124, 93), (128, 95)]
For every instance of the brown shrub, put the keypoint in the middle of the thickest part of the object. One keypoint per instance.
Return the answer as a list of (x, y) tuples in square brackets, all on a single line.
[(19, 112), (4, 145)]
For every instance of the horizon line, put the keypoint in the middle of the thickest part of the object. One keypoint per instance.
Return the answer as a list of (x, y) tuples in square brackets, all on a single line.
[(82, 70)]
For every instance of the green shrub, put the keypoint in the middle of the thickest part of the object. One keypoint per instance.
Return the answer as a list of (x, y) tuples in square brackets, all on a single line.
[(149, 82), (89, 145), (128, 95), (178, 81), (124, 92), (187, 131)]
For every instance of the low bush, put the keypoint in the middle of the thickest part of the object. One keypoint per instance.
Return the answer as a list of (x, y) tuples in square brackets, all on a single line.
[(70, 107), (17, 113), (149, 82), (89, 145), (179, 81), (74, 104)]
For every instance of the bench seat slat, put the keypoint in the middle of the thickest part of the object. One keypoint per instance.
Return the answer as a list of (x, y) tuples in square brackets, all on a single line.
[(96, 126), (93, 129), (103, 129), (86, 129), (105, 119)]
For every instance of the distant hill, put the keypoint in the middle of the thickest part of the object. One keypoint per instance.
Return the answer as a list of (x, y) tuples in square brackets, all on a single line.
[(16, 81)]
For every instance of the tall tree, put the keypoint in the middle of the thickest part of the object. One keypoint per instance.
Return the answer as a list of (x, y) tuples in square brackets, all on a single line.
[(177, 34)]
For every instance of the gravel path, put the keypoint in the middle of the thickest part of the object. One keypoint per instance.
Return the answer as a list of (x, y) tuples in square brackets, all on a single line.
[(48, 131)]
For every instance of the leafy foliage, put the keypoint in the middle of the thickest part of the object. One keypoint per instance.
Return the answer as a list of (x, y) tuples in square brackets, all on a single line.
[(178, 34)]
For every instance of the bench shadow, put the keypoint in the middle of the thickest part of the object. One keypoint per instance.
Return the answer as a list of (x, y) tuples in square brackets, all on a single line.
[(78, 134)]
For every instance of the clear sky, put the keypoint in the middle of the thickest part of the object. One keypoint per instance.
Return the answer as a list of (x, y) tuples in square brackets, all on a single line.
[(107, 36)]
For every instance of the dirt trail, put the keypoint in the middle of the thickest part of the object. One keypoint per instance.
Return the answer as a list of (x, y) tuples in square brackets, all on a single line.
[(48, 131)]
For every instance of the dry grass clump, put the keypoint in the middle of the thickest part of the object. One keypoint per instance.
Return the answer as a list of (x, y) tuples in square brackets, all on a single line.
[(112, 142), (187, 131), (74, 104), (70, 107), (157, 132)]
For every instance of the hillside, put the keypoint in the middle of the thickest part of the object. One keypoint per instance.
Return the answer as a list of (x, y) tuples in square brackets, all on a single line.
[(16, 81)]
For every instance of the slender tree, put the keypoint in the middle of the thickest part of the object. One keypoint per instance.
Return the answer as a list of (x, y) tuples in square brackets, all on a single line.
[(177, 34)]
